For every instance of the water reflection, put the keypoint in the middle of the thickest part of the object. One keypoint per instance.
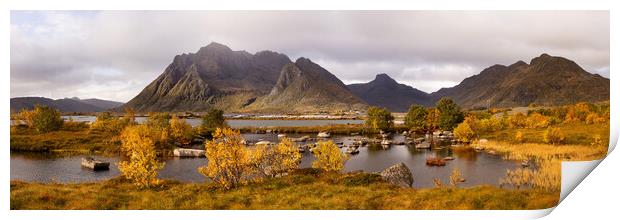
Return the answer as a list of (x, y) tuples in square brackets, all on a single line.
[(477, 167)]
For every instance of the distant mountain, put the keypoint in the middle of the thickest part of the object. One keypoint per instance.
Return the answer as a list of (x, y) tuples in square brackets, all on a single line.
[(386, 92), (63, 105), (104, 104), (305, 86), (546, 80), (218, 77)]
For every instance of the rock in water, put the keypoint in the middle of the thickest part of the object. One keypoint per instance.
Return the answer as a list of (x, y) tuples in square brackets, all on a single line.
[(398, 174), (184, 152)]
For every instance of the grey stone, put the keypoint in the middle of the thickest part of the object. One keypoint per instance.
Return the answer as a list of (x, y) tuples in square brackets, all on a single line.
[(398, 174)]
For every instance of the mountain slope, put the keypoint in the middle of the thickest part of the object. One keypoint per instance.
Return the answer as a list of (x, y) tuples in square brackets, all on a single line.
[(546, 80), (63, 105), (305, 86), (386, 92), (213, 77)]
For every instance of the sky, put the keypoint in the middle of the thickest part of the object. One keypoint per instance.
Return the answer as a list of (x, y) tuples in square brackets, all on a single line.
[(113, 55)]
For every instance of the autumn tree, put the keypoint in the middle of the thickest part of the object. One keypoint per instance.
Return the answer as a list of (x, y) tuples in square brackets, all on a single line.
[(450, 114), (142, 165), (272, 161), (328, 156), (42, 118), (228, 159), (180, 130), (432, 119), (416, 118), (379, 119), (463, 132)]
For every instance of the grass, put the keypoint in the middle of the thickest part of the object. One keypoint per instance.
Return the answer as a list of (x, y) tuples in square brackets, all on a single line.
[(72, 138), (547, 151), (576, 134), (304, 189)]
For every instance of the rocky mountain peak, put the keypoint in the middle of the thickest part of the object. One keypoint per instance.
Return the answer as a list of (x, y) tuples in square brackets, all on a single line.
[(384, 78)]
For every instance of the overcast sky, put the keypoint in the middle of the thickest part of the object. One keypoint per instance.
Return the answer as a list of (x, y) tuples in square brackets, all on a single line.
[(115, 54)]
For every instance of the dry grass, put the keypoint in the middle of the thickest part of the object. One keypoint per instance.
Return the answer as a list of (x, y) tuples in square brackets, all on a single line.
[(302, 190), (547, 152)]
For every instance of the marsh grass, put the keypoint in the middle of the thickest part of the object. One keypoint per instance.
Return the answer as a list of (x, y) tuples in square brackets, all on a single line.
[(72, 137), (303, 189)]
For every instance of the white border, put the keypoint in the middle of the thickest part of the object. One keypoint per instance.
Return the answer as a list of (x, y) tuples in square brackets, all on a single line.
[(284, 5)]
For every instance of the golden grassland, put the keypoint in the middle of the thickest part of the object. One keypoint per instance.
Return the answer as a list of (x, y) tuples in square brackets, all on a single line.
[(576, 133), (303, 189), (76, 137)]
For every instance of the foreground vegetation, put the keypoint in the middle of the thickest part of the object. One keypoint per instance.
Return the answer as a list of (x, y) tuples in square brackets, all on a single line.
[(302, 189)]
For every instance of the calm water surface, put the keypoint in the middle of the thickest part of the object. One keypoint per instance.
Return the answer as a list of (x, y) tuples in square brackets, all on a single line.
[(244, 123), (477, 167)]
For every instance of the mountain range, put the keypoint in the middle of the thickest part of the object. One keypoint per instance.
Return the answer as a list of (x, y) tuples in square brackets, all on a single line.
[(64, 105), (237, 81), (270, 82), (546, 80)]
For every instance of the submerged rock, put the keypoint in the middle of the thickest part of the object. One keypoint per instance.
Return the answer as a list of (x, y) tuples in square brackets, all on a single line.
[(398, 174)]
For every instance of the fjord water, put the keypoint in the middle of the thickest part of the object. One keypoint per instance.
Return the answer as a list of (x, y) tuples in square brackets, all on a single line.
[(239, 123), (476, 167)]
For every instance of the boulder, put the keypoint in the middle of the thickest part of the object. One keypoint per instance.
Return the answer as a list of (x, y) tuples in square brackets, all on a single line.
[(184, 152), (398, 174)]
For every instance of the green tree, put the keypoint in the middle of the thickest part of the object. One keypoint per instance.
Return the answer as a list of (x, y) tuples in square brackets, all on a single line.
[(214, 119), (379, 119), (450, 114), (416, 117), (42, 118)]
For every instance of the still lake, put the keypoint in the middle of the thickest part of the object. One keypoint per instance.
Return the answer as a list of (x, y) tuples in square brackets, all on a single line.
[(238, 123), (476, 167)]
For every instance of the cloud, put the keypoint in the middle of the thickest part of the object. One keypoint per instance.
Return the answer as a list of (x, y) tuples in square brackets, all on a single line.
[(114, 54)]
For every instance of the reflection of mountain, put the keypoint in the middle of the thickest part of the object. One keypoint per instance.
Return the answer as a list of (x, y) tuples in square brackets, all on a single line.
[(64, 105), (217, 77)]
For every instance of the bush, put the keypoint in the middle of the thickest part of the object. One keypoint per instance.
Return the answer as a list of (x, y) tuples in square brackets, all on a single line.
[(142, 167), (450, 114), (518, 120), (379, 119), (416, 118), (229, 159), (272, 161), (106, 122), (463, 132), (42, 118), (553, 136), (519, 137), (537, 120), (328, 157)]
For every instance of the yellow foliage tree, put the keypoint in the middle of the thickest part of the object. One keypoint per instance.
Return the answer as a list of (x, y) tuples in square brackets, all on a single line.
[(275, 160), (328, 157), (229, 159), (180, 130), (142, 166), (463, 132)]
